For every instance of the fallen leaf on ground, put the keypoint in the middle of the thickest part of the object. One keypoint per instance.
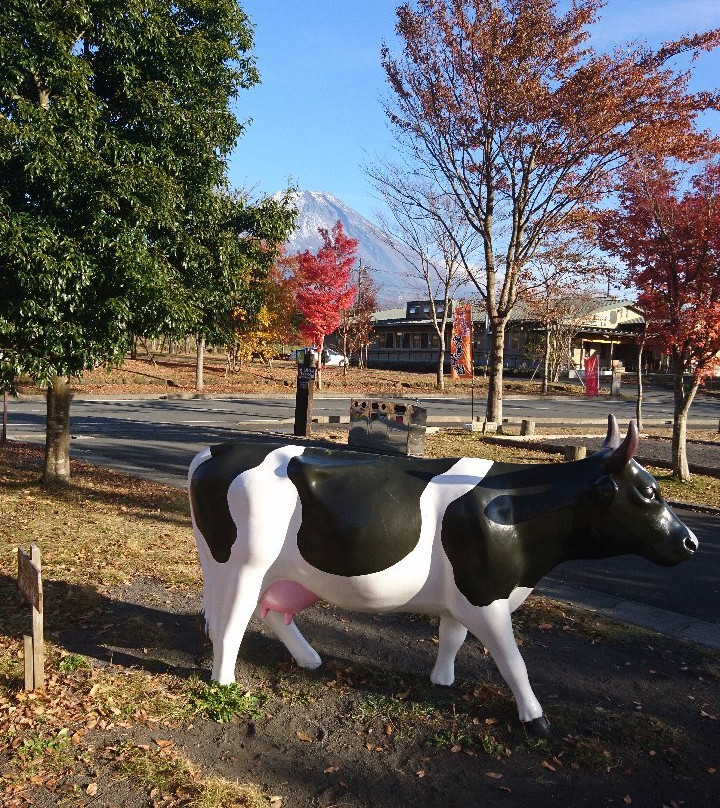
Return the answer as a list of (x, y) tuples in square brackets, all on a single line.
[(303, 736)]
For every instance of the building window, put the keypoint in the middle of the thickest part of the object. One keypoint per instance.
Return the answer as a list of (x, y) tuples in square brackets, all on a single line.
[(406, 341), (412, 310), (390, 341)]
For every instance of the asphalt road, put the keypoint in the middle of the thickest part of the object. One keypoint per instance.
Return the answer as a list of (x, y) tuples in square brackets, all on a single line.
[(157, 438)]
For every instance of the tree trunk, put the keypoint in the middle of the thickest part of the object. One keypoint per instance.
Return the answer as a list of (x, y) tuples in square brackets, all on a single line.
[(57, 432), (318, 366), (200, 363), (439, 374), (682, 402), (493, 411), (345, 353), (4, 417), (638, 400), (546, 362)]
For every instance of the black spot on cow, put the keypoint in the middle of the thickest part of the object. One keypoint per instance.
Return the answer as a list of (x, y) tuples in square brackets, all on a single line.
[(209, 489), (370, 481), (360, 514), (495, 534)]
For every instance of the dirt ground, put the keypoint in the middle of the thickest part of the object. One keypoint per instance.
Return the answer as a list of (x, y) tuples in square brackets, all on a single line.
[(635, 716), (175, 375)]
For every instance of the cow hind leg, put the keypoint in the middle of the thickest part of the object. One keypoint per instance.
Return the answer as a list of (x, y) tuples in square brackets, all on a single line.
[(492, 625), (233, 604), (289, 634), (451, 636)]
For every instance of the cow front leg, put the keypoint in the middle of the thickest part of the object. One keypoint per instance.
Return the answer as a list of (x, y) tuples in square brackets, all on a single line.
[(451, 636), (289, 634), (492, 625)]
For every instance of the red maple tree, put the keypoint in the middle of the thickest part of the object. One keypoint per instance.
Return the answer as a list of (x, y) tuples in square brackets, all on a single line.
[(323, 288), (667, 232)]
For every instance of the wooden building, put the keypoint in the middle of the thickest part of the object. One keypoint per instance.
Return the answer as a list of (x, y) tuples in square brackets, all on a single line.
[(406, 339)]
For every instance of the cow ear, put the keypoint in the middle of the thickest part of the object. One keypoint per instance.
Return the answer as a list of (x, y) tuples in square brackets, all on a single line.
[(612, 439), (624, 453), (603, 490)]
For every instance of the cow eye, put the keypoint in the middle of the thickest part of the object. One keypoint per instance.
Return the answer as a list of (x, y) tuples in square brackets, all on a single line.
[(647, 492)]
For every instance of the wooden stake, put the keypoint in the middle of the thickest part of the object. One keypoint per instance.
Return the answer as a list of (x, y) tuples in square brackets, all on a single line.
[(30, 583)]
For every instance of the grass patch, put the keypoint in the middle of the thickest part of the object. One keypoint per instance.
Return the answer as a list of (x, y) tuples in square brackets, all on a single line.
[(393, 709), (216, 792), (102, 530), (69, 663), (223, 703), (699, 489), (166, 771)]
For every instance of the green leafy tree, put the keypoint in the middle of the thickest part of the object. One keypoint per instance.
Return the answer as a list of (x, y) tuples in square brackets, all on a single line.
[(224, 261), (115, 127)]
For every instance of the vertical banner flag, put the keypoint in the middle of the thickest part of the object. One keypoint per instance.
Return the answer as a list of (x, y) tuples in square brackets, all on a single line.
[(461, 362), (591, 375)]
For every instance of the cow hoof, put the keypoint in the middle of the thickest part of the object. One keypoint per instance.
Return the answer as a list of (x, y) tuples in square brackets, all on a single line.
[(442, 678), (310, 663), (538, 727)]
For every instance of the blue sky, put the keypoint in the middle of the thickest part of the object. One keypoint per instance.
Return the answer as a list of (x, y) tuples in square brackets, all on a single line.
[(317, 116)]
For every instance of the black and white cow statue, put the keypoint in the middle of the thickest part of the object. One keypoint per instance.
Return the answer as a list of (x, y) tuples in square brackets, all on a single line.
[(281, 523)]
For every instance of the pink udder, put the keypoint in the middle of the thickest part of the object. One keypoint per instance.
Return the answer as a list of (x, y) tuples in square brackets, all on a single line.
[(286, 597)]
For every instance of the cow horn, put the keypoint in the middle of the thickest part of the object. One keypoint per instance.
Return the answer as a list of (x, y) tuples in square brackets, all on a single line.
[(612, 439), (623, 454)]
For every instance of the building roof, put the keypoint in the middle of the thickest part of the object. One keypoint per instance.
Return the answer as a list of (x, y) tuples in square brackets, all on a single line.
[(591, 317)]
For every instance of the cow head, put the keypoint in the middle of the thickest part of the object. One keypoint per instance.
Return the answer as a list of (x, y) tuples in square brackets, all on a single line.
[(628, 512)]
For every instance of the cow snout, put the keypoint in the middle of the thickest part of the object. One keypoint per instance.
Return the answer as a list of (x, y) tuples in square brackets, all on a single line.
[(690, 542), (675, 548), (683, 547)]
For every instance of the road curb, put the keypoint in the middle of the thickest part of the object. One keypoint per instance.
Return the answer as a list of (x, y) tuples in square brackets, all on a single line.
[(650, 618)]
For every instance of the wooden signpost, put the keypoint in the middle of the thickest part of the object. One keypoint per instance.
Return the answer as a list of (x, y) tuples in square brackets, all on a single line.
[(30, 583)]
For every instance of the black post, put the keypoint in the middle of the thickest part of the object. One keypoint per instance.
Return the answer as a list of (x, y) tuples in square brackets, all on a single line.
[(304, 395)]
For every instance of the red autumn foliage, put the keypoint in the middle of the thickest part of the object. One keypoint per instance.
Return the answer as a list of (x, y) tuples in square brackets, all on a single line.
[(323, 287), (667, 232)]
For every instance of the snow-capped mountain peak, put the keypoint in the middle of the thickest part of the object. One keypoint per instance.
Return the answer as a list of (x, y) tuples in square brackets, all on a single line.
[(390, 271)]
